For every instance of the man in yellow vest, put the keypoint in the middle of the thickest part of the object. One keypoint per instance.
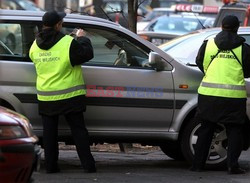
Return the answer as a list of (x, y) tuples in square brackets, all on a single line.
[(61, 88), (225, 62)]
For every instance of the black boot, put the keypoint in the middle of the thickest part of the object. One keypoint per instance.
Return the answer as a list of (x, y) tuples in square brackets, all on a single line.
[(236, 170)]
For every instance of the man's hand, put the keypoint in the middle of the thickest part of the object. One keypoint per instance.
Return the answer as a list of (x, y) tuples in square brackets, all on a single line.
[(80, 33)]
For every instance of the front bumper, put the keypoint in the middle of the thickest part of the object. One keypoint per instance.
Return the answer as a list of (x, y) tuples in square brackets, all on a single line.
[(18, 161)]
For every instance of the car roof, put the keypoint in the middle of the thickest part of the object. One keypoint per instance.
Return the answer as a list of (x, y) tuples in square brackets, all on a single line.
[(235, 5), (218, 29), (163, 9), (179, 16), (188, 16), (40, 14)]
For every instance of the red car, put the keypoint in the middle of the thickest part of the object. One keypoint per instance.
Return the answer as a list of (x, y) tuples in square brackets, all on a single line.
[(19, 153)]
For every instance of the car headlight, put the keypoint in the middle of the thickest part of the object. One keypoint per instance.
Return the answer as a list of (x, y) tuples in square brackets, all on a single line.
[(27, 127), (11, 132)]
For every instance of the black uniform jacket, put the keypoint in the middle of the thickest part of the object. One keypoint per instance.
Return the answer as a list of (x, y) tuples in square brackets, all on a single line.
[(80, 51), (220, 109)]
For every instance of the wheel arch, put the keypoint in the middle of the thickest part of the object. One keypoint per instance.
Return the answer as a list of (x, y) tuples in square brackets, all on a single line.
[(10, 101), (189, 116), (6, 104), (182, 116)]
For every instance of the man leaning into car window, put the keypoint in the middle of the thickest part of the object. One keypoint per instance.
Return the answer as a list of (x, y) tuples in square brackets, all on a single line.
[(61, 88), (225, 61)]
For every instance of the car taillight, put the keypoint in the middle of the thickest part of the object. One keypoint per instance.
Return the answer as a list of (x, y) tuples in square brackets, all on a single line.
[(229, 1), (11, 132), (145, 37)]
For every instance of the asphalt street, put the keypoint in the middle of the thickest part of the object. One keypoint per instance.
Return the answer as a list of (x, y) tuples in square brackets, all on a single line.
[(144, 166)]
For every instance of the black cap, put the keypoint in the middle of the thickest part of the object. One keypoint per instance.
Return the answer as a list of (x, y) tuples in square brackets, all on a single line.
[(51, 18), (230, 22)]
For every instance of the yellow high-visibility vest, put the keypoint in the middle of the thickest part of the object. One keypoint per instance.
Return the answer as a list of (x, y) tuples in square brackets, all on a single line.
[(56, 78), (224, 75)]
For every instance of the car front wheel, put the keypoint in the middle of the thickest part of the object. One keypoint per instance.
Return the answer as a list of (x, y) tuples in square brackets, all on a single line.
[(218, 150)]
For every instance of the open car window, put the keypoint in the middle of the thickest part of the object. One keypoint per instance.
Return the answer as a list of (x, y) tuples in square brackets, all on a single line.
[(113, 49)]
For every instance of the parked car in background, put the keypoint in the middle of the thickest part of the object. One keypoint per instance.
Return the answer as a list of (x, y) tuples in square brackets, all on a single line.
[(11, 34), (136, 92), (156, 12), (19, 152), (176, 46), (168, 3), (182, 9), (117, 11), (165, 28), (19, 5), (198, 9), (239, 9)]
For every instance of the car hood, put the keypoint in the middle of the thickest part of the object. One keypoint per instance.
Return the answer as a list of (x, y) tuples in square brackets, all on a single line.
[(162, 33), (9, 117)]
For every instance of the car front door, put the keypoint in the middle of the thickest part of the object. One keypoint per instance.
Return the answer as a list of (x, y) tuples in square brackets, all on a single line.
[(124, 93)]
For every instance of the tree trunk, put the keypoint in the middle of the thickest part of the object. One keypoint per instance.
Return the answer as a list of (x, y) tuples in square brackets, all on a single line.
[(132, 14)]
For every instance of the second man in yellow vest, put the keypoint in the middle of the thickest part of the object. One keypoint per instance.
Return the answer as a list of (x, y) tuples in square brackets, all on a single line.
[(225, 62)]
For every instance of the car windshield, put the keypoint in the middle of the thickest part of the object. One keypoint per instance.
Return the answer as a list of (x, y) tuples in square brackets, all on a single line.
[(28, 5), (176, 46), (176, 25), (112, 7), (169, 3), (153, 14)]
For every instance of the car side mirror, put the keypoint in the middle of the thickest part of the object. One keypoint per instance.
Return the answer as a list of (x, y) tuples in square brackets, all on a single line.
[(156, 61)]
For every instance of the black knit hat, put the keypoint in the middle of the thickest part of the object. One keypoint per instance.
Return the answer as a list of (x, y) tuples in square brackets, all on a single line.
[(230, 22), (51, 18)]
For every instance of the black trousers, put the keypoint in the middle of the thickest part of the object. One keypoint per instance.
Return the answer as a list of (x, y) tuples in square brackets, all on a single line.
[(205, 136), (80, 136)]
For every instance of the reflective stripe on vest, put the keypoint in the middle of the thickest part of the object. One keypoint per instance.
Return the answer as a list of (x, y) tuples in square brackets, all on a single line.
[(56, 78), (59, 92), (223, 86), (223, 73)]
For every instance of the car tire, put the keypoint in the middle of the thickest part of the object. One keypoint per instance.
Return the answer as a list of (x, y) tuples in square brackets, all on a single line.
[(173, 150), (218, 151)]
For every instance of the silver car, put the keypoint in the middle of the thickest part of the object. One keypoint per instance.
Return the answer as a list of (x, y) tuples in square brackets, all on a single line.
[(167, 27), (135, 91)]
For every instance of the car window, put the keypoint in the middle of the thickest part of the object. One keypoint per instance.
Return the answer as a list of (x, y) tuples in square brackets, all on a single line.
[(179, 25), (113, 49), (10, 35), (247, 37), (4, 50), (28, 5), (241, 14), (112, 7), (16, 38), (153, 14), (19, 5), (7, 4)]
